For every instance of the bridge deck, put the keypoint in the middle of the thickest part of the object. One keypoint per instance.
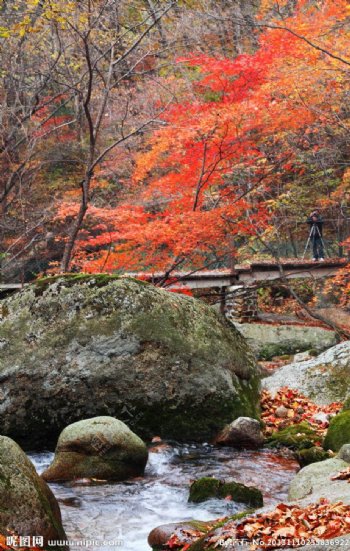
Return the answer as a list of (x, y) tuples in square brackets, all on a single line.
[(248, 273), (240, 275)]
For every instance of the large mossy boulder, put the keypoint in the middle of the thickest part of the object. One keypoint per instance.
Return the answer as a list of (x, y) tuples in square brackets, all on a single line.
[(324, 379), (338, 432), (27, 505), (102, 448), (86, 346)]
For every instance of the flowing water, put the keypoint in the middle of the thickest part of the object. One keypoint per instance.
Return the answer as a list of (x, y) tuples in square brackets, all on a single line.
[(122, 514)]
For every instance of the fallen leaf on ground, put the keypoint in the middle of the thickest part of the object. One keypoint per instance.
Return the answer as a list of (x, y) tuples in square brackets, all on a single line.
[(298, 408)]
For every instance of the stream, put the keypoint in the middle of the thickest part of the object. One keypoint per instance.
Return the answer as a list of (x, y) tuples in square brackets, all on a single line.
[(121, 515)]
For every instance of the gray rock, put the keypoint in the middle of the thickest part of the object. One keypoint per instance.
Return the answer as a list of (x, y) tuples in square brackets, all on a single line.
[(82, 347), (302, 357), (244, 432), (344, 453), (102, 448), (27, 505), (324, 379), (268, 340), (281, 412), (314, 482)]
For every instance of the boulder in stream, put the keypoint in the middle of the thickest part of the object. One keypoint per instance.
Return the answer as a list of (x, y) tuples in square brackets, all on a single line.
[(27, 505), (86, 346), (207, 488), (102, 448), (244, 432)]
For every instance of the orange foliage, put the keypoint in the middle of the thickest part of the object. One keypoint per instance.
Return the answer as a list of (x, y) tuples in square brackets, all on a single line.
[(287, 525), (204, 176), (299, 408)]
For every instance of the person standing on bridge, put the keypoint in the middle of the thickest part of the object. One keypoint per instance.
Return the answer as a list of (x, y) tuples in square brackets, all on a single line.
[(315, 222)]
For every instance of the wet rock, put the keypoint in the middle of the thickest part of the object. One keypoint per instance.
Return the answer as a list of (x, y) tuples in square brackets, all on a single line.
[(338, 432), (102, 448), (244, 432), (70, 502), (160, 535), (27, 505), (208, 488), (165, 364)]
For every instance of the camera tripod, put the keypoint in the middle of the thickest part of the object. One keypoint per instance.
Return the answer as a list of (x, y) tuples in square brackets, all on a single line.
[(314, 232)]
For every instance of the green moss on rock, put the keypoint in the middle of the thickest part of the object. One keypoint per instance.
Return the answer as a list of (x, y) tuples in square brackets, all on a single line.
[(27, 505), (338, 432), (282, 350), (203, 489), (102, 448), (72, 279), (296, 437), (199, 545), (312, 455), (105, 345), (207, 488), (346, 405), (242, 494)]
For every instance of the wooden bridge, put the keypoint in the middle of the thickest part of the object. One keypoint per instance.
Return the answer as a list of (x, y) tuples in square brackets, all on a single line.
[(246, 274), (237, 286)]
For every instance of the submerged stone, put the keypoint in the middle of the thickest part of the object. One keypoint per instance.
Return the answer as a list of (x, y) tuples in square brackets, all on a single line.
[(207, 488)]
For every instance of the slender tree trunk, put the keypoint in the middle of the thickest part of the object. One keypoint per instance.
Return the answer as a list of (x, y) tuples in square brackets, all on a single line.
[(74, 231)]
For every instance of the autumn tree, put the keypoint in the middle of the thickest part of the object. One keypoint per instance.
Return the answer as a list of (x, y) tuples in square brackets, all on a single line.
[(80, 55), (257, 140), (227, 152)]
